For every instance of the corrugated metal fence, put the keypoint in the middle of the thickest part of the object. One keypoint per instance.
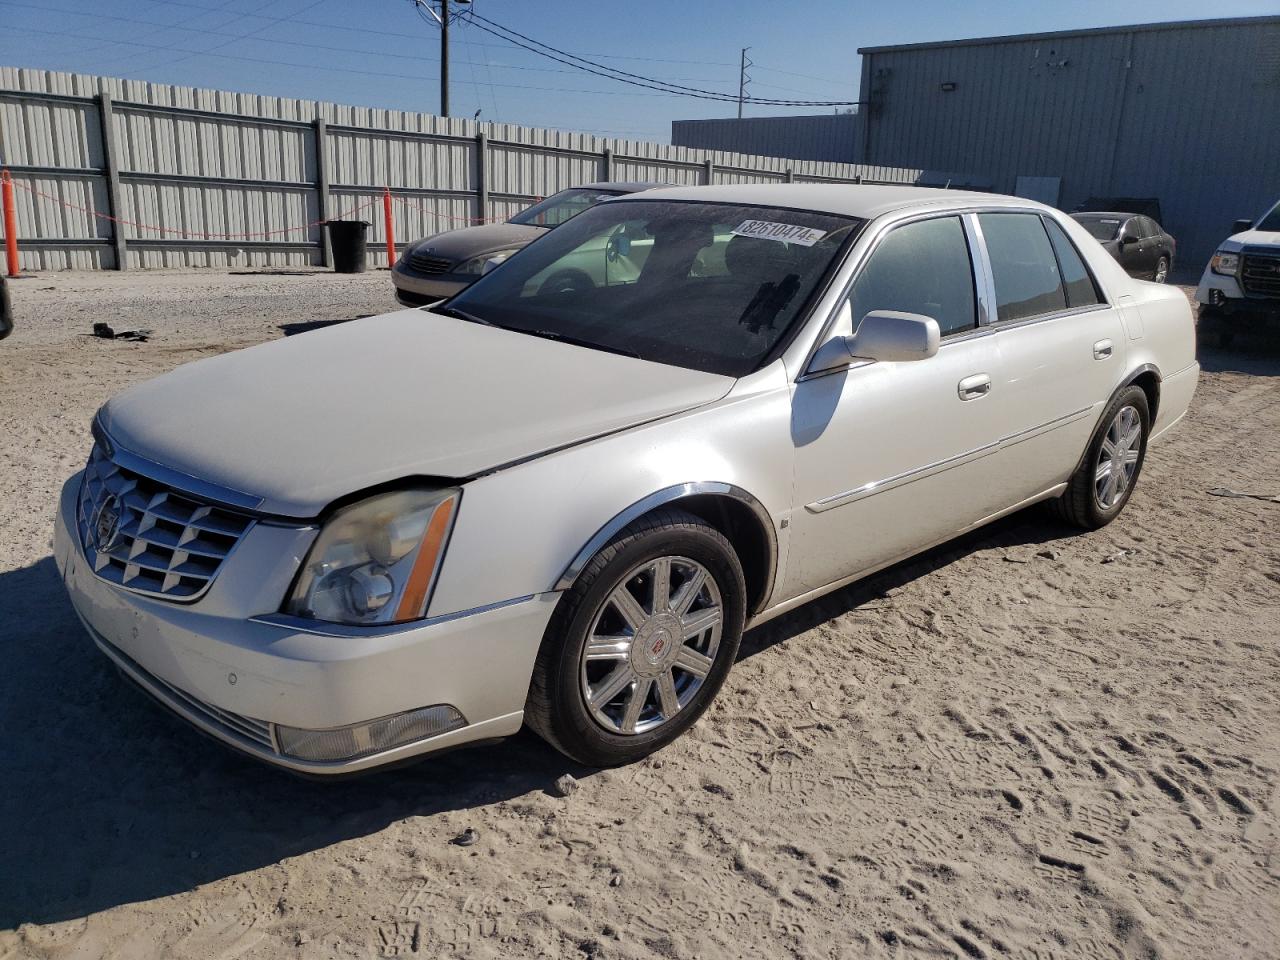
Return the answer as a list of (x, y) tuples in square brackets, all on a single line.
[(116, 173)]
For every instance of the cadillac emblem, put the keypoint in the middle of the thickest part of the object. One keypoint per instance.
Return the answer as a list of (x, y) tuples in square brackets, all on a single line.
[(106, 525)]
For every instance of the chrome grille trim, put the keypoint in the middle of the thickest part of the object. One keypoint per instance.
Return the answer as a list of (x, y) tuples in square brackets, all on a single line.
[(430, 265), (1260, 274), (170, 544)]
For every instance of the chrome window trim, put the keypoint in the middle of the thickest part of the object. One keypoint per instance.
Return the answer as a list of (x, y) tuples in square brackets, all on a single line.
[(984, 281), (877, 237), (940, 466), (665, 496)]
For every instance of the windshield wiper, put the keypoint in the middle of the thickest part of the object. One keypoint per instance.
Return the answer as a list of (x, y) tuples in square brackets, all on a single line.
[(462, 315), (576, 341)]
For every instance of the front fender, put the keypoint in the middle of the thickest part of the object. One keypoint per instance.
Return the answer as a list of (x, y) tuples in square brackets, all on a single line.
[(531, 527)]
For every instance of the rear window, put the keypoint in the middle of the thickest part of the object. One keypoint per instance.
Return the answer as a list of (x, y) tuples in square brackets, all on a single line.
[(1023, 266), (1100, 228), (1076, 279)]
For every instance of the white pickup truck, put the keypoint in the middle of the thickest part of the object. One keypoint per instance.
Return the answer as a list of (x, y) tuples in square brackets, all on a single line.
[(1241, 284)]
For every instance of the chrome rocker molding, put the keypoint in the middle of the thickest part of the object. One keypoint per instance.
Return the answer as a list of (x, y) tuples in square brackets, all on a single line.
[(662, 497), (879, 486)]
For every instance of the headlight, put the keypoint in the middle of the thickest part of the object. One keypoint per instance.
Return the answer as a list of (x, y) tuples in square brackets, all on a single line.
[(476, 265), (376, 561), (1227, 264)]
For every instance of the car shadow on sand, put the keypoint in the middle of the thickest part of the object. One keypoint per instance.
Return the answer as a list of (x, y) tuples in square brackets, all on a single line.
[(109, 800)]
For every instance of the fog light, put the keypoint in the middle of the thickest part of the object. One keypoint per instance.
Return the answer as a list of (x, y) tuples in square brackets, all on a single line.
[(1216, 297), (364, 739)]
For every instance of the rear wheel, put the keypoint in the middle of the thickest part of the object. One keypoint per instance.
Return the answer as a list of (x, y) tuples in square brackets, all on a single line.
[(1212, 327), (641, 643), (1102, 485)]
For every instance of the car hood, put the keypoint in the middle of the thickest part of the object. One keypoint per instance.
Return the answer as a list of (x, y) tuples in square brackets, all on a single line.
[(473, 241), (299, 422), (1251, 238)]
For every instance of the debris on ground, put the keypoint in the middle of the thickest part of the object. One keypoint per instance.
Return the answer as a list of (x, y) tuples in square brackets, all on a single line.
[(466, 838), (1239, 494), (1050, 554), (104, 332), (565, 785), (1118, 555)]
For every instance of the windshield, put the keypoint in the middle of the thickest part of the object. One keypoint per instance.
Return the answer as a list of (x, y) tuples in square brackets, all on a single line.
[(1100, 228), (709, 286), (560, 207), (1271, 221)]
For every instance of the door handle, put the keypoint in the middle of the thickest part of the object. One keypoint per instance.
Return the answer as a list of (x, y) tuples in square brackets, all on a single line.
[(971, 388), (1102, 350)]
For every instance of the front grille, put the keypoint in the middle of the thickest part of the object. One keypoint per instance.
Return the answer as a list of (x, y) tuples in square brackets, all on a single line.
[(258, 731), (147, 537), (430, 265), (1260, 274)]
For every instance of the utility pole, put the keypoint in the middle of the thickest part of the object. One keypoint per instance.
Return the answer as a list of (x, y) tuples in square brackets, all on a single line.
[(442, 18), (742, 80), (444, 58)]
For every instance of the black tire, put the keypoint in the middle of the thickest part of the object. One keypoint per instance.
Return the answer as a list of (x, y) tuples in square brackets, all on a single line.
[(562, 281), (1212, 327), (1162, 267), (556, 708), (1079, 504)]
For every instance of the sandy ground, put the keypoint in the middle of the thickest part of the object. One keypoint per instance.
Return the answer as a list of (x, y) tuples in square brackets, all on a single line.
[(1008, 747)]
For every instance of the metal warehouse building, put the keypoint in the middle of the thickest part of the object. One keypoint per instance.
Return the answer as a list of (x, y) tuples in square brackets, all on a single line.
[(1187, 113)]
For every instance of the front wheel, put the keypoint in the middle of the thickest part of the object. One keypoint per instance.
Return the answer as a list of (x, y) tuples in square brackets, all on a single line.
[(641, 643), (1161, 273), (1104, 481)]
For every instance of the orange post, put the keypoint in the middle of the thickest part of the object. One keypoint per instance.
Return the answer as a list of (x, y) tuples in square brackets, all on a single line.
[(10, 223), (391, 232)]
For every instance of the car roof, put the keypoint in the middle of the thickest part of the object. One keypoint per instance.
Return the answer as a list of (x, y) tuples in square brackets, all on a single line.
[(1110, 214), (621, 186), (865, 201)]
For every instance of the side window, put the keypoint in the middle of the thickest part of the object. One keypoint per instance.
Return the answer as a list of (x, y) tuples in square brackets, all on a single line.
[(1023, 266), (924, 268), (1081, 290)]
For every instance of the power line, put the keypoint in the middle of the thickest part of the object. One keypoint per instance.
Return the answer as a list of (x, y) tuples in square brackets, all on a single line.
[(316, 66), (381, 54), (350, 28), (623, 76)]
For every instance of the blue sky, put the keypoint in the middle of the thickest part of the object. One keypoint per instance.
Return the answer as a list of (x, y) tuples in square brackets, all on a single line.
[(381, 53)]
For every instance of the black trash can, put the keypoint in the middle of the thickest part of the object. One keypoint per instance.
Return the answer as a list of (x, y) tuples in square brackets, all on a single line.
[(6, 311), (348, 240)]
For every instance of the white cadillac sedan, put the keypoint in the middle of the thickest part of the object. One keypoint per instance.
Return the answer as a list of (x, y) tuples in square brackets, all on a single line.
[(561, 504)]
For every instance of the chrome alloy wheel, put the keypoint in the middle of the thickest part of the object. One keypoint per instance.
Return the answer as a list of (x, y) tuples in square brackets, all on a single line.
[(1117, 458), (652, 645), (1162, 271)]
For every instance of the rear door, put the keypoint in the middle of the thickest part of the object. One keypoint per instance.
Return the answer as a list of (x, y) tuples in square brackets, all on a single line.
[(1061, 346)]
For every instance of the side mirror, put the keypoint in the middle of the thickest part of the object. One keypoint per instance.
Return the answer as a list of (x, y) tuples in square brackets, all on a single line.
[(1240, 226), (490, 264), (886, 335)]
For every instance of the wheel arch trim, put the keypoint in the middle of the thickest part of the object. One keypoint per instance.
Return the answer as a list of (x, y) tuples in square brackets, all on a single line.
[(670, 495), (1141, 371)]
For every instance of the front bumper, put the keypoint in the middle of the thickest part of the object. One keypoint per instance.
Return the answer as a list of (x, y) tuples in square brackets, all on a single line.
[(240, 677), (1224, 295), (416, 289)]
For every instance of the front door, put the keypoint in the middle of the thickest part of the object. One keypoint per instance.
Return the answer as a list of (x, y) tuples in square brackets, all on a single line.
[(893, 456)]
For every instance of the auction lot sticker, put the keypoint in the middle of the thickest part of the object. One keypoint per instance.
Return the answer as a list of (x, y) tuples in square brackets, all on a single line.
[(782, 232)]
